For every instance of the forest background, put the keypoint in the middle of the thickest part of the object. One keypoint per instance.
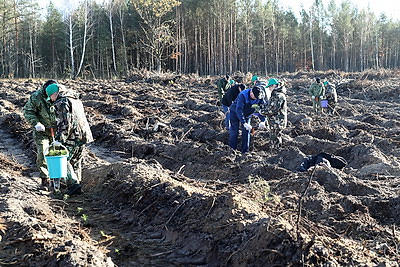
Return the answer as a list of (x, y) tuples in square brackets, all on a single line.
[(206, 37)]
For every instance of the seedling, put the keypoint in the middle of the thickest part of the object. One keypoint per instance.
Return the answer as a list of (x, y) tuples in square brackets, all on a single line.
[(103, 234), (84, 217), (79, 209), (56, 152), (261, 186)]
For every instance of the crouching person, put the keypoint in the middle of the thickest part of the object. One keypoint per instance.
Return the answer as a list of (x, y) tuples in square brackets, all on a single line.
[(240, 113)]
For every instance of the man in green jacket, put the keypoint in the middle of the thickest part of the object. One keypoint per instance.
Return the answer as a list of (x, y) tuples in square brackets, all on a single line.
[(317, 93), (39, 112)]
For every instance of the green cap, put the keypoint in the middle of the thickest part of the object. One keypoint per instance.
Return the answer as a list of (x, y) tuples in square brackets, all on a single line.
[(272, 82), (232, 81), (325, 83), (51, 89), (254, 78)]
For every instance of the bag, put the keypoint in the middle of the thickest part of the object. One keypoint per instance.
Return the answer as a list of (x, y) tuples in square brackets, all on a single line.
[(335, 161), (81, 125)]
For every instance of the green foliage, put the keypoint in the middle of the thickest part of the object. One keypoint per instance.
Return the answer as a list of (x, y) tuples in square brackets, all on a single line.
[(84, 217), (56, 151), (65, 197), (261, 186)]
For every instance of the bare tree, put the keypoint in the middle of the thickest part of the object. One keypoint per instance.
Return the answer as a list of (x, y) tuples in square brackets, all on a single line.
[(158, 31)]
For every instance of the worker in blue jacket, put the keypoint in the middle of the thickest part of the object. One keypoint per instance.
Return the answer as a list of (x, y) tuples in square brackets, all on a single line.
[(241, 111)]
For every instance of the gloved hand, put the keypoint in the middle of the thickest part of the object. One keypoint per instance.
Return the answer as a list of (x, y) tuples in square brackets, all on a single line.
[(56, 143), (39, 127), (261, 125), (247, 126), (313, 97)]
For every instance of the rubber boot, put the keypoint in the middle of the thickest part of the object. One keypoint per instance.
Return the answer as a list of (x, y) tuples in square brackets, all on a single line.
[(45, 184)]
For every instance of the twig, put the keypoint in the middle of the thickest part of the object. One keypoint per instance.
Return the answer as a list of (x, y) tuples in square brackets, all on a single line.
[(140, 213), (272, 251), (301, 203), (184, 135), (165, 225), (181, 168), (161, 253), (212, 205)]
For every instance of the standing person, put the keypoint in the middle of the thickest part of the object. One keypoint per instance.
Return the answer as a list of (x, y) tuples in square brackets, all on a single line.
[(317, 91), (276, 112), (240, 112), (229, 97), (254, 80), (43, 111), (223, 85), (331, 96)]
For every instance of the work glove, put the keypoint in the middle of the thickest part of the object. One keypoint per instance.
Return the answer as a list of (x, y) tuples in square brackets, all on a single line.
[(313, 97), (261, 125), (247, 126), (39, 127), (256, 107), (56, 143)]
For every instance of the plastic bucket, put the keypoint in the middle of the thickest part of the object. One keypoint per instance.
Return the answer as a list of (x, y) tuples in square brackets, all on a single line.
[(324, 103), (57, 166)]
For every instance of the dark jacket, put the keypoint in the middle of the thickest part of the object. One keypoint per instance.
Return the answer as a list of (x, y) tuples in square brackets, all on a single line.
[(242, 106), (335, 161), (231, 95)]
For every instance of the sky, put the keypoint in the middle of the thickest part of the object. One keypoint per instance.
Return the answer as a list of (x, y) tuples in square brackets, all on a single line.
[(390, 7)]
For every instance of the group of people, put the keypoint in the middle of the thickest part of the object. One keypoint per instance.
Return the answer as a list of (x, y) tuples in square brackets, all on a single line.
[(323, 96), (57, 117), (54, 109), (266, 101)]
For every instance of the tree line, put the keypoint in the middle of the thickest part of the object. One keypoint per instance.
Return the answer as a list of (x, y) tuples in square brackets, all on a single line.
[(207, 37)]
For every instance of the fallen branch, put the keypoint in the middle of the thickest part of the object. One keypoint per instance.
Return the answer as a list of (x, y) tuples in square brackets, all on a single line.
[(301, 203)]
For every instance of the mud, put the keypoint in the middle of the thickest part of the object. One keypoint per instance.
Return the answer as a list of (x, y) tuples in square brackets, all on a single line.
[(161, 187)]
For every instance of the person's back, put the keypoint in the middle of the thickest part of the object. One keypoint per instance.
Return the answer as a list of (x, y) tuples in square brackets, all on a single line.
[(277, 107), (232, 93), (73, 130), (223, 86), (330, 92), (72, 122)]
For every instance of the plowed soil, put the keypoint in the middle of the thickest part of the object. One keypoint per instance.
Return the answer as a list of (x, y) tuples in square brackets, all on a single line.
[(161, 186)]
